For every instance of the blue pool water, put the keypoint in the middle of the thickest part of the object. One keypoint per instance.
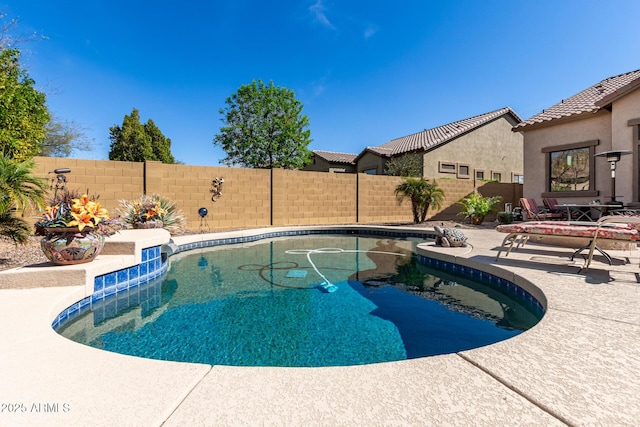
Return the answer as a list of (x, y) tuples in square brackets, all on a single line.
[(289, 302)]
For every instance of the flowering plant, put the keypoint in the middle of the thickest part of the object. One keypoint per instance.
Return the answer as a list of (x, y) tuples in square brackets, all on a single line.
[(145, 210), (153, 208), (82, 212)]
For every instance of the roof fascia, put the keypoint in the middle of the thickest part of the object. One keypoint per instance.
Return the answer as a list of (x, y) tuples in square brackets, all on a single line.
[(561, 120), (619, 93)]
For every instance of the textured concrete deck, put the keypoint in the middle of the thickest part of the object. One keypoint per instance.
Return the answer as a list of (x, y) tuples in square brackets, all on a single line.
[(579, 366)]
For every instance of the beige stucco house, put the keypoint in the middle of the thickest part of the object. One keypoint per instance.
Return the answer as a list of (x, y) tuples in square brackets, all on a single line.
[(331, 161), (561, 143), (477, 148)]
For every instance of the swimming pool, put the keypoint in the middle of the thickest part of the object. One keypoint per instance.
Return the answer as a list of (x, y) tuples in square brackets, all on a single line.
[(304, 301)]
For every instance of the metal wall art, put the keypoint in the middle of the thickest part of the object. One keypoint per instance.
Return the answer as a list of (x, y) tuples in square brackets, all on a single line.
[(216, 188), (59, 182)]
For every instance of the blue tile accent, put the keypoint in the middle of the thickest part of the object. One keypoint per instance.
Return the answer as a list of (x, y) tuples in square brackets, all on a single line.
[(118, 282), (134, 272), (122, 276), (110, 280), (98, 283), (144, 269), (109, 291), (498, 282), (85, 303), (97, 296)]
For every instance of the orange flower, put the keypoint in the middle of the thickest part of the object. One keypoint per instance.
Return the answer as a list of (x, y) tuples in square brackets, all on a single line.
[(82, 220)]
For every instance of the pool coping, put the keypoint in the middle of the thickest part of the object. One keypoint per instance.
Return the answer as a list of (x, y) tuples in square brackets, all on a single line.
[(578, 366)]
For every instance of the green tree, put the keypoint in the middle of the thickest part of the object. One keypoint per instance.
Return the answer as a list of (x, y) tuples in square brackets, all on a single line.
[(129, 142), (423, 194), (160, 145), (19, 189), (264, 128), (23, 113), (135, 142), (407, 165), (63, 137)]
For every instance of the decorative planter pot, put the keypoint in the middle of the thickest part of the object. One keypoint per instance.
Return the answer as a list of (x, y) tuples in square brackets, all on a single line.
[(68, 246), (148, 224), (477, 220)]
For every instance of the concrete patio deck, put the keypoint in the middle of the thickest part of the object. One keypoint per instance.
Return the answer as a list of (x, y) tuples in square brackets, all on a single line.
[(579, 366)]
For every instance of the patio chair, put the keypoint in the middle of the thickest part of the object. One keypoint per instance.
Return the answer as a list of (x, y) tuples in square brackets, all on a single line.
[(622, 229), (535, 213), (551, 204)]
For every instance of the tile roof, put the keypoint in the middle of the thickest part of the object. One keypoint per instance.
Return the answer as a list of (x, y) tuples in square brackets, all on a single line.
[(430, 138), (590, 100), (333, 157)]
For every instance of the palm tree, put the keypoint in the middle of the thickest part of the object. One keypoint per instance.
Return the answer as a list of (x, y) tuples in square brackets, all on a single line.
[(19, 189), (423, 194)]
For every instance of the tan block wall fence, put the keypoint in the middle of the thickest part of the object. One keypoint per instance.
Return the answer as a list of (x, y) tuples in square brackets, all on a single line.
[(259, 197)]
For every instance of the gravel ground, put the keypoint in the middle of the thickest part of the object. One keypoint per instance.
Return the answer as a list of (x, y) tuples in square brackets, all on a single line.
[(12, 255)]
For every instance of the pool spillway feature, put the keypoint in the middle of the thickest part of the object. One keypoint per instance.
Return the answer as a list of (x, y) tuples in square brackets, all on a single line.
[(326, 285)]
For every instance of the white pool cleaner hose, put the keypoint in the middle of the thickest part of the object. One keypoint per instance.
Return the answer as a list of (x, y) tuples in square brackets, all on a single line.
[(326, 284)]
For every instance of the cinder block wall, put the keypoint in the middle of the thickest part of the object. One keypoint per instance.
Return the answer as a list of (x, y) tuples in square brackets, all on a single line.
[(304, 198), (377, 202), (110, 180), (455, 190), (245, 200), (298, 198)]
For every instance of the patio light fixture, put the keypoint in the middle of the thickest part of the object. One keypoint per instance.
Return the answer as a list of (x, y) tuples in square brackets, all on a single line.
[(613, 157)]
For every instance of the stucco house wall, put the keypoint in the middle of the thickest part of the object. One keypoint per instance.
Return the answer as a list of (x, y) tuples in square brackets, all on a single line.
[(368, 161), (594, 127), (605, 116), (490, 148), (326, 161), (626, 137), (318, 164)]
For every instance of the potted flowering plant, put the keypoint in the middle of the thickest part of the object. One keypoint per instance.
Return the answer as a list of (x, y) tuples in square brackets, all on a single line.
[(74, 228), (152, 212), (476, 206)]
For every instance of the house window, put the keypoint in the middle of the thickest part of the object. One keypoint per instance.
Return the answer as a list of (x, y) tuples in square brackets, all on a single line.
[(518, 179), (570, 169), (496, 176), (371, 171), (463, 170), (445, 167), (479, 175)]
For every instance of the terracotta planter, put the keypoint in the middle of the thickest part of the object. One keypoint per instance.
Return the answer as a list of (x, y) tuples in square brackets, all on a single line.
[(148, 224), (68, 246)]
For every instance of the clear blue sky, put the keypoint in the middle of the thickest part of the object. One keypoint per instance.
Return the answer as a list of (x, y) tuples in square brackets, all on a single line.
[(366, 72)]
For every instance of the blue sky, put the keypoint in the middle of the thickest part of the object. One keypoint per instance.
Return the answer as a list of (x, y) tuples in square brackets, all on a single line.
[(366, 72)]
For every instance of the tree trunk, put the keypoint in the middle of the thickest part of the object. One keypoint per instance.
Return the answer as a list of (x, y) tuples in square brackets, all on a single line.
[(416, 213), (423, 216)]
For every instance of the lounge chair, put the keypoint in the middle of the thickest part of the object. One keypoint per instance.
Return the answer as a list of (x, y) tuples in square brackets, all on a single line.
[(610, 228), (534, 212), (551, 204)]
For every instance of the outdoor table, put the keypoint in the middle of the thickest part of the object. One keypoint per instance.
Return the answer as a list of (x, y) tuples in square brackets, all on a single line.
[(582, 211)]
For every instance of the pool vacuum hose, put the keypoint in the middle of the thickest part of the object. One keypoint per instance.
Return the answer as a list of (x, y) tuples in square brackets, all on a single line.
[(326, 285)]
